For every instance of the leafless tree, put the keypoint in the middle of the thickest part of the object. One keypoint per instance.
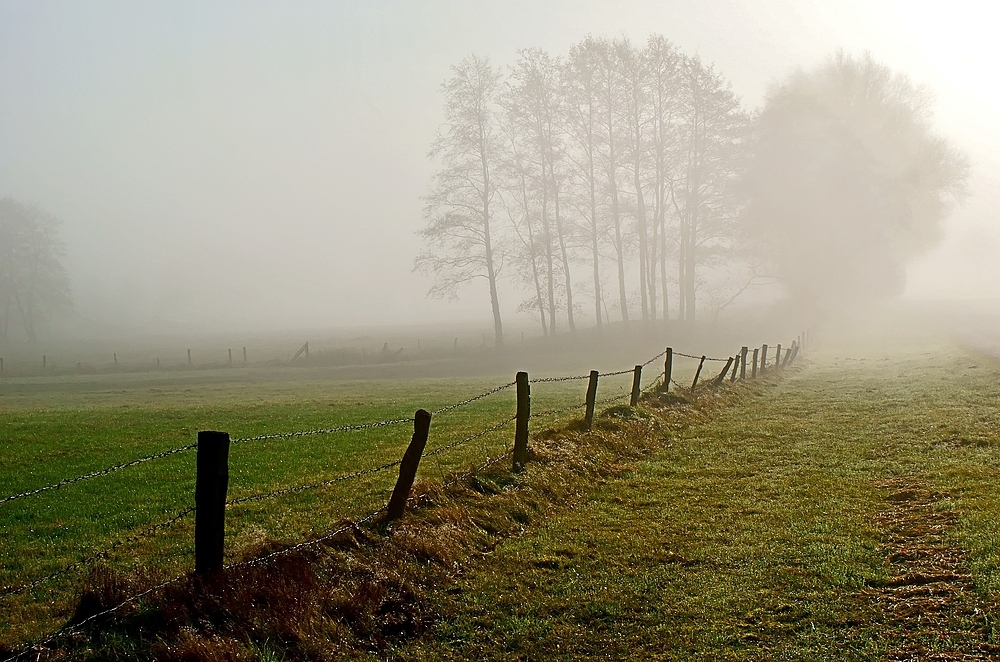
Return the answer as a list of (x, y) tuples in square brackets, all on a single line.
[(461, 233)]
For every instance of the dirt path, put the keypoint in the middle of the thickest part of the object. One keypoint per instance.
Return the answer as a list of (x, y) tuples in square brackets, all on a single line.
[(928, 605)]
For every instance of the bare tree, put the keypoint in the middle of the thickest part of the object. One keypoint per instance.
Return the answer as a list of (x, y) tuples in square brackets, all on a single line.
[(712, 129), (534, 106), (582, 91), (33, 282), (461, 230), (662, 64)]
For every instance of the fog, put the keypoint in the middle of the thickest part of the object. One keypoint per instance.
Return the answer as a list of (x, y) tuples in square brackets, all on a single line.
[(262, 166)]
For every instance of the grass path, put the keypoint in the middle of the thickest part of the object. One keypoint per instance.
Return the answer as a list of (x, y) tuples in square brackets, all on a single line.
[(847, 512)]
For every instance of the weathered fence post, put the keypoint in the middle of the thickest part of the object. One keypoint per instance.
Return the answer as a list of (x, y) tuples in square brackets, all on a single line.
[(763, 358), (636, 380), (743, 363), (244, 354), (668, 369), (697, 373), (756, 351), (1, 365), (722, 375), (230, 356), (189, 357), (157, 364), (115, 355), (211, 487), (521, 424), (408, 467), (588, 419), (777, 357), (43, 360), (795, 352), (736, 369)]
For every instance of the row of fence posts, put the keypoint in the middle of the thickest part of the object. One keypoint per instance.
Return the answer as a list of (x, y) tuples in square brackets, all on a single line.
[(212, 465), (114, 356)]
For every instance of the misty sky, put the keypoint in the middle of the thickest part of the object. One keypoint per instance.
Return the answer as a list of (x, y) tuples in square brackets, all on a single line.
[(234, 165)]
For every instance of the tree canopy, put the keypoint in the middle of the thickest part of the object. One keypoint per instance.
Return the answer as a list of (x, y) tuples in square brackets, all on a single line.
[(846, 181)]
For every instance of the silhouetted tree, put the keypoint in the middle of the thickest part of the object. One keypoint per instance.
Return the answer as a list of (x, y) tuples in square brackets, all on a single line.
[(847, 180), (33, 282), (461, 231)]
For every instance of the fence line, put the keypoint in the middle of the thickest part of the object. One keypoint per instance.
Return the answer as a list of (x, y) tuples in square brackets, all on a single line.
[(523, 385)]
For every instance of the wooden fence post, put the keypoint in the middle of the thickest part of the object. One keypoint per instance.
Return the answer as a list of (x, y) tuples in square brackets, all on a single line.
[(521, 424), (244, 354), (43, 360), (743, 363), (115, 354), (588, 420), (795, 352), (211, 487), (1, 365), (636, 380), (763, 358), (722, 375), (668, 369), (230, 356), (756, 351), (788, 355), (189, 357), (736, 368), (408, 467), (697, 373), (777, 357)]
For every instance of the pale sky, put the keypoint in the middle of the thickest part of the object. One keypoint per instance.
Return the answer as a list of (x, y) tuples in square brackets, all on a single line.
[(260, 165)]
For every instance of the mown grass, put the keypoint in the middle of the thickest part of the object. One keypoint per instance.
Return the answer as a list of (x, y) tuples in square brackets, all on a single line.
[(55, 428), (752, 534)]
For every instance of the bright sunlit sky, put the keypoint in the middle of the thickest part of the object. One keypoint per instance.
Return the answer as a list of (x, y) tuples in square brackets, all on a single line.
[(234, 165)]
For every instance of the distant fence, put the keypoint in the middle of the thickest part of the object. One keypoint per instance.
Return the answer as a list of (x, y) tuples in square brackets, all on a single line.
[(212, 461)]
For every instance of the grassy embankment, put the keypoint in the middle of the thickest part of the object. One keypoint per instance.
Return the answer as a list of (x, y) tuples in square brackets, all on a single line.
[(849, 512)]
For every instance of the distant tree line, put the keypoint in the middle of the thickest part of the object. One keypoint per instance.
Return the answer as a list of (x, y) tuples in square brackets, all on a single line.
[(33, 282), (631, 176)]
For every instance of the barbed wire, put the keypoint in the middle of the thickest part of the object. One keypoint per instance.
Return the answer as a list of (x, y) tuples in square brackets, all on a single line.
[(306, 433), (573, 378), (96, 474), (488, 463), (481, 433), (561, 410), (658, 356), (302, 545), (485, 394), (629, 371), (6, 591), (698, 358), (300, 488)]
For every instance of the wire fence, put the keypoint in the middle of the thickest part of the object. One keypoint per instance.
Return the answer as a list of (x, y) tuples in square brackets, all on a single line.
[(6, 592)]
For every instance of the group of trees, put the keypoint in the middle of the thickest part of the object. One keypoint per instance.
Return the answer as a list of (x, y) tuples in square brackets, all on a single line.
[(33, 282), (641, 162), (613, 156)]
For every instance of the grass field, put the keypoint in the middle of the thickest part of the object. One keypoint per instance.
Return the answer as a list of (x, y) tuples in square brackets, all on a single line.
[(61, 426), (848, 511)]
